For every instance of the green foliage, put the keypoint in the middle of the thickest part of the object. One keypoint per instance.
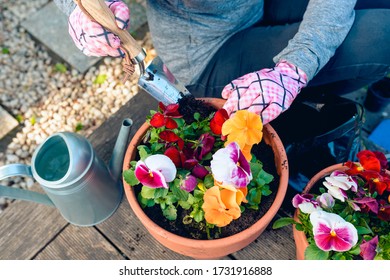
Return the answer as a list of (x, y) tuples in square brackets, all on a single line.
[(59, 67), (312, 252), (130, 178), (5, 50), (100, 79), (79, 126), (282, 222)]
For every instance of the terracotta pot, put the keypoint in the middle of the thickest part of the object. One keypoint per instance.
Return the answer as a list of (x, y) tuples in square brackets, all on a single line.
[(217, 248), (299, 236)]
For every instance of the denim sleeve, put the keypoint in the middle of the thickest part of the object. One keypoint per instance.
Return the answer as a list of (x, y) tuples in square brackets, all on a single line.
[(66, 6), (324, 27)]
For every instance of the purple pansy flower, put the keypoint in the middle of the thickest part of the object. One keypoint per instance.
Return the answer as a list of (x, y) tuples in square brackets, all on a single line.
[(230, 167), (156, 171), (305, 203), (331, 232), (368, 248)]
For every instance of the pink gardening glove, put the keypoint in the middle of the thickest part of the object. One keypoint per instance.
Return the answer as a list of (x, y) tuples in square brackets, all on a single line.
[(267, 92), (91, 38)]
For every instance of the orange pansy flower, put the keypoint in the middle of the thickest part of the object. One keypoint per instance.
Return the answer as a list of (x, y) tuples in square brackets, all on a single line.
[(221, 205), (245, 128)]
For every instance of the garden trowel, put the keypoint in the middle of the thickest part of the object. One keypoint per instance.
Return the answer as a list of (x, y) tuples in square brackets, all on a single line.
[(156, 79)]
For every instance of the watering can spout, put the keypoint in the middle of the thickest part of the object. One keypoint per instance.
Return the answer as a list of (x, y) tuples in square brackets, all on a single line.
[(115, 164)]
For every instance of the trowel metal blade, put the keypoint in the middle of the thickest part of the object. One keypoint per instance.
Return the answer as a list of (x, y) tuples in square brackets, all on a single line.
[(159, 82)]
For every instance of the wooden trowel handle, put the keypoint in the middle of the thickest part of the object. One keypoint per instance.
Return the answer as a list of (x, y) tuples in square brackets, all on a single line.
[(98, 11)]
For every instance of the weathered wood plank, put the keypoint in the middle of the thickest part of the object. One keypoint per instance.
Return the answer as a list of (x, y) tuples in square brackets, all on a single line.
[(270, 245), (26, 227), (131, 237), (104, 137), (123, 228), (79, 243)]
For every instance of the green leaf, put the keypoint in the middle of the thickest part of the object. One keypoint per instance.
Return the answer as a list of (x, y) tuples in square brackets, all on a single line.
[(130, 178), (147, 192), (160, 192), (363, 230), (254, 196), (79, 126), (265, 190), (355, 250), (19, 118), (170, 213), (208, 181), (312, 252), (5, 50), (196, 116), (145, 202), (283, 222), (256, 167), (59, 67), (143, 152), (264, 178), (33, 120), (100, 79), (181, 195), (198, 215)]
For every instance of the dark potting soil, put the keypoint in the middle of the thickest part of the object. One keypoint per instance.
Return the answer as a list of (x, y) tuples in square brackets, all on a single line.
[(197, 230), (189, 105)]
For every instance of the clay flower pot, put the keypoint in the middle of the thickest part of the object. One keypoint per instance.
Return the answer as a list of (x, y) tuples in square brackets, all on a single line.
[(299, 236), (217, 248)]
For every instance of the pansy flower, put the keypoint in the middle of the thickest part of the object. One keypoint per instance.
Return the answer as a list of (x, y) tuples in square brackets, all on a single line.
[(204, 146), (198, 170), (338, 183), (176, 156), (156, 171), (306, 203), (331, 232), (170, 137), (230, 167), (384, 211), (367, 204), (245, 128), (368, 248), (218, 120), (188, 183), (222, 205), (164, 117)]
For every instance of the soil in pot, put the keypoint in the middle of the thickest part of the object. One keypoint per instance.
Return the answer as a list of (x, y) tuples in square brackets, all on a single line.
[(247, 219)]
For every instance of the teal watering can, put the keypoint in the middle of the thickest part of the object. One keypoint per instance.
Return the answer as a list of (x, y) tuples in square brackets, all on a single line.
[(75, 180)]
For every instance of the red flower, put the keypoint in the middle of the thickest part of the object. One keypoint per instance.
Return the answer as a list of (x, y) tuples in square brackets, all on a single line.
[(176, 156), (217, 121), (165, 118), (369, 160), (384, 212), (206, 144), (171, 137)]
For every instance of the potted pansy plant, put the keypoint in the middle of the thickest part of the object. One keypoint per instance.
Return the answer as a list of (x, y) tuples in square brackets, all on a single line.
[(344, 211), (191, 173)]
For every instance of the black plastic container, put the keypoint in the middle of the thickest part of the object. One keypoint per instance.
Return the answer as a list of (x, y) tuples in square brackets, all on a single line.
[(378, 95)]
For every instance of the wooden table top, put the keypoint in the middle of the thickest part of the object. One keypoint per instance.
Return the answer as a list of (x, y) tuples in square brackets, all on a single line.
[(34, 231)]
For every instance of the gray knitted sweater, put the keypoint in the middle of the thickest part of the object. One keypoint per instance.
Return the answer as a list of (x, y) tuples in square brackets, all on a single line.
[(187, 33)]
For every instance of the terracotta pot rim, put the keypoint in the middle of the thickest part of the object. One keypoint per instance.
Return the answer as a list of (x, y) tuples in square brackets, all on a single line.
[(299, 236), (251, 231)]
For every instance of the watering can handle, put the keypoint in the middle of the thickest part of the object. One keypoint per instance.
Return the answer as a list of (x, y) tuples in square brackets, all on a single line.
[(21, 170)]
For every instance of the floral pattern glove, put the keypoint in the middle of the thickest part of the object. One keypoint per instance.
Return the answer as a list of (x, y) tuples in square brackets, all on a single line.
[(94, 40), (267, 92)]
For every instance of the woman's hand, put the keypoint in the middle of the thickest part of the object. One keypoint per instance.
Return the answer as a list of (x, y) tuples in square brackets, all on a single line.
[(267, 92), (94, 40)]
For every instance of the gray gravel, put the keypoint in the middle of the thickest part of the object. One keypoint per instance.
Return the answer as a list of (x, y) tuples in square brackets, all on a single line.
[(46, 100)]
